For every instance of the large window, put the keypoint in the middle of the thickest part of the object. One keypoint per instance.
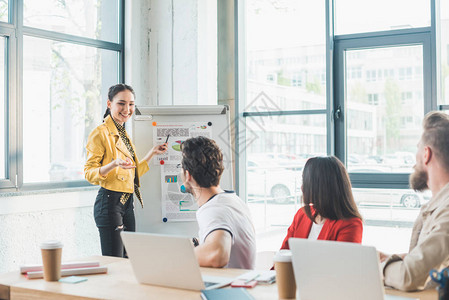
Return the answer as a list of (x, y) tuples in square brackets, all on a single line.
[(69, 53), (285, 106), (68, 79), (341, 78), (90, 18)]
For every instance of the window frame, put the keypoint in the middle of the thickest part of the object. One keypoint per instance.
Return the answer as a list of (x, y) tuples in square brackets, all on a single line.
[(427, 36), (15, 31), (406, 37), (9, 106), (7, 31)]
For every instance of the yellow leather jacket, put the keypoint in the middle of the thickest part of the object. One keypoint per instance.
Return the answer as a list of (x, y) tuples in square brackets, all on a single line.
[(103, 146)]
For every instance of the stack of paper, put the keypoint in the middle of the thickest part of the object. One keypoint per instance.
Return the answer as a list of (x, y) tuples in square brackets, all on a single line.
[(74, 265), (69, 269), (264, 277)]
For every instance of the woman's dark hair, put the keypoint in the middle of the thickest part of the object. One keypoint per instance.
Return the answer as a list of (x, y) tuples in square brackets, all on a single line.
[(114, 90), (327, 188), (203, 159)]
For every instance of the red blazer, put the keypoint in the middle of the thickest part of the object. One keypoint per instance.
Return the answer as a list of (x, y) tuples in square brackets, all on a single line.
[(349, 230)]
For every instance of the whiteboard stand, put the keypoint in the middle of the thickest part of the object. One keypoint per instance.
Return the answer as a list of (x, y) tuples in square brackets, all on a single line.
[(149, 219)]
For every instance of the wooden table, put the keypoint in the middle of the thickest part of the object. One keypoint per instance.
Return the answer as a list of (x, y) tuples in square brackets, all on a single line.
[(120, 283)]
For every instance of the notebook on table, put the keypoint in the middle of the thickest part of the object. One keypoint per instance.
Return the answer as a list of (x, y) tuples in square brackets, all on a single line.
[(226, 294), (337, 270), (167, 261)]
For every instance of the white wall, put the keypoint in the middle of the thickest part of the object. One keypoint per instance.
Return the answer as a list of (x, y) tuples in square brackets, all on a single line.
[(28, 219), (176, 58)]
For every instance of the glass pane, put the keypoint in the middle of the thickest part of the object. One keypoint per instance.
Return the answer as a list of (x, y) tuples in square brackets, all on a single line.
[(385, 108), (4, 10), (3, 114), (354, 16), (64, 87), (90, 18), (286, 56), (389, 216), (277, 149), (444, 44)]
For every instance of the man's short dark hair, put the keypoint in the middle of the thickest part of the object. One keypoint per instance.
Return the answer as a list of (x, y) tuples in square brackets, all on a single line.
[(436, 135), (203, 159)]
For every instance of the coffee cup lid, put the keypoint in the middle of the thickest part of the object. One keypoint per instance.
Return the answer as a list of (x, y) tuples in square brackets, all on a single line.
[(51, 244), (283, 255)]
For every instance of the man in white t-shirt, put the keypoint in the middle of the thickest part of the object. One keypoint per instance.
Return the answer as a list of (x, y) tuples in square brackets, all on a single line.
[(226, 232)]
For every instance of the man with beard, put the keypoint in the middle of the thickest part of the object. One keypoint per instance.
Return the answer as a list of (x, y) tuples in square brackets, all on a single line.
[(226, 232), (429, 246)]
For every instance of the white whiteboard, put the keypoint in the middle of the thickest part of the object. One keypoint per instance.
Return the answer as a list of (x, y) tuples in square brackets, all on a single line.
[(216, 117)]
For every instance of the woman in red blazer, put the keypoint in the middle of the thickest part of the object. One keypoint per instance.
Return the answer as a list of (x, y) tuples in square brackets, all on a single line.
[(329, 211)]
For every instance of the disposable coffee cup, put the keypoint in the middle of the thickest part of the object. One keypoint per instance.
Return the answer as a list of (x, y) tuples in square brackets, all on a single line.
[(285, 278), (51, 259)]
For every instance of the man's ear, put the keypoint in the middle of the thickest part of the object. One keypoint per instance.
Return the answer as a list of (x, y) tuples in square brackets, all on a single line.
[(427, 155), (189, 179), (187, 176)]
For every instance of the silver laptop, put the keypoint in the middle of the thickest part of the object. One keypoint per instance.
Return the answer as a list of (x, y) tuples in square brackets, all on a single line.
[(167, 261), (336, 270)]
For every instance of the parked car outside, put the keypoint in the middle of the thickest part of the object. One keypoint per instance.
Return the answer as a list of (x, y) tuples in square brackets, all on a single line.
[(408, 158), (265, 179), (406, 198), (377, 158), (388, 197), (286, 160)]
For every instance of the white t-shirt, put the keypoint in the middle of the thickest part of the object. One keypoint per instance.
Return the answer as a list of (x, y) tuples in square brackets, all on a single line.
[(226, 211), (315, 231)]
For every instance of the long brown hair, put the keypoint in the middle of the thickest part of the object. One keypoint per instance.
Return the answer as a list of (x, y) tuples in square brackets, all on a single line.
[(327, 188)]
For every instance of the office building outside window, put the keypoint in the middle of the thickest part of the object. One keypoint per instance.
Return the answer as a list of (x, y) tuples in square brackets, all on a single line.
[(376, 140)]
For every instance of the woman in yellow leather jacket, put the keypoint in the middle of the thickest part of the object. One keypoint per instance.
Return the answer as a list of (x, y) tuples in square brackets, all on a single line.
[(112, 163)]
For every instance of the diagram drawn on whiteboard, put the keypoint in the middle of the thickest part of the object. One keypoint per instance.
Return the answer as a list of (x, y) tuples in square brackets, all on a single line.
[(176, 206)]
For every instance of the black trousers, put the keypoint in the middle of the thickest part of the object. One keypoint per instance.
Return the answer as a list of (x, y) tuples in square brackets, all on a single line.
[(112, 217)]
